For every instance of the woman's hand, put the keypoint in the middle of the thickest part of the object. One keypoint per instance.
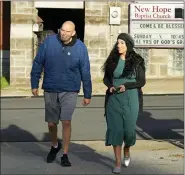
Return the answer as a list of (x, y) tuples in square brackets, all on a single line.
[(122, 88), (112, 89)]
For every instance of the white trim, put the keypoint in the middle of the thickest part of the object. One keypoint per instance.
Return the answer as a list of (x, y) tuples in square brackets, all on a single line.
[(59, 4), (160, 2)]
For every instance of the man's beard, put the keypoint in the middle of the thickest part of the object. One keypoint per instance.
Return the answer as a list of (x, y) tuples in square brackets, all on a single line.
[(66, 40)]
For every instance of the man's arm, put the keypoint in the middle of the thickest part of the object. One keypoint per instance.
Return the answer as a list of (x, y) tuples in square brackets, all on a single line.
[(37, 67), (85, 73)]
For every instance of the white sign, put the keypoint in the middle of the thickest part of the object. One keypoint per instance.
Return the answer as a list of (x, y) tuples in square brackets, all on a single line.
[(163, 34), (59, 4), (154, 11), (155, 25), (115, 15)]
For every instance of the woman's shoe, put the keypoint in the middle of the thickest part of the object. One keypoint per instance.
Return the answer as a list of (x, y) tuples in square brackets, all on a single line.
[(117, 170), (126, 161)]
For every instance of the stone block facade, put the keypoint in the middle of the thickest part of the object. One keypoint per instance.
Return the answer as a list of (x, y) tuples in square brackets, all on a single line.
[(23, 15), (99, 37)]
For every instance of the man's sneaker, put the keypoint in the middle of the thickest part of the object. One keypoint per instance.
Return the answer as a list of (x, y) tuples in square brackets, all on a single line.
[(65, 160), (53, 152)]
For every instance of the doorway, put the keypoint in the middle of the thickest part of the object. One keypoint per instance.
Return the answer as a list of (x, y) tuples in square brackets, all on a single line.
[(53, 18), (5, 20)]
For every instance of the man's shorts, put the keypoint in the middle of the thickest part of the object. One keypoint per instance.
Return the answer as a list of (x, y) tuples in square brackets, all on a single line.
[(59, 106)]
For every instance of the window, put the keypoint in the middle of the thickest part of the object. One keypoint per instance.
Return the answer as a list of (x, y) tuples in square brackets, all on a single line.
[(176, 62), (145, 54)]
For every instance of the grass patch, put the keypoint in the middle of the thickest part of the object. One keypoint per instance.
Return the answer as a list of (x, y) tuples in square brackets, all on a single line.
[(177, 155), (4, 82)]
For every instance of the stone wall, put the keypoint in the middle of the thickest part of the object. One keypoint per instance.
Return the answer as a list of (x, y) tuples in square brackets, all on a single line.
[(23, 15), (100, 37), (158, 62), (161, 63)]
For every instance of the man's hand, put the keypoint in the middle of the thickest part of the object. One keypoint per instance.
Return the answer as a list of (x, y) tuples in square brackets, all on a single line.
[(35, 92), (86, 101)]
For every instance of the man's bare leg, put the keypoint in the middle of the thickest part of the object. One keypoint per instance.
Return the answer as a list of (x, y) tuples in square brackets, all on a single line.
[(66, 135), (53, 133)]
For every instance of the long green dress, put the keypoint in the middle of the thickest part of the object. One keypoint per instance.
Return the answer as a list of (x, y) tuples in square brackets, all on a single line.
[(122, 112)]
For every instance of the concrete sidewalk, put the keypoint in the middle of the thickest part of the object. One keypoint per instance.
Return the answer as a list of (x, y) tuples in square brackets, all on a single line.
[(148, 157), (18, 92), (153, 86)]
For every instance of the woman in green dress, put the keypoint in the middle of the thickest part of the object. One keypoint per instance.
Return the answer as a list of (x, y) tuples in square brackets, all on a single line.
[(124, 75)]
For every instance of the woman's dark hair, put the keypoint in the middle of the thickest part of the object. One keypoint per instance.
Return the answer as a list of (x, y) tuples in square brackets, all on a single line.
[(113, 58)]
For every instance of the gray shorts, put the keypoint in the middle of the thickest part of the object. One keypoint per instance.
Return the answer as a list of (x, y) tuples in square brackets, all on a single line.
[(59, 106)]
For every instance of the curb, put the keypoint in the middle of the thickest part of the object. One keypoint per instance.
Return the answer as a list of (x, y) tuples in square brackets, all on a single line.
[(96, 95)]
